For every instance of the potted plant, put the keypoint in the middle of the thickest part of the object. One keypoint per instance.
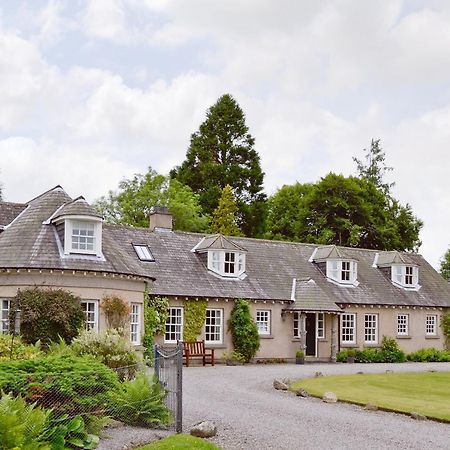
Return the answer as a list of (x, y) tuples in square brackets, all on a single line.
[(300, 357), (351, 353)]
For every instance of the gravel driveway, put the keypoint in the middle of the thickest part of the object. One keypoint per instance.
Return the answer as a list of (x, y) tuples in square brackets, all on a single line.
[(250, 414)]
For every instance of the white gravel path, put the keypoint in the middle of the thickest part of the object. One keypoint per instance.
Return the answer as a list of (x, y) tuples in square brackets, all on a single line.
[(250, 414)]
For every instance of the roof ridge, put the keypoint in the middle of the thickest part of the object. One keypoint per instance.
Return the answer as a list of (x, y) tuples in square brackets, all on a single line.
[(57, 187)]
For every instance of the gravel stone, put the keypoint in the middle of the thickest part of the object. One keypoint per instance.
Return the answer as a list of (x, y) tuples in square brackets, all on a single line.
[(250, 414)]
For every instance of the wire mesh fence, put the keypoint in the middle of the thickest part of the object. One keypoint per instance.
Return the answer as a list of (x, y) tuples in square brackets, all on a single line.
[(135, 395)]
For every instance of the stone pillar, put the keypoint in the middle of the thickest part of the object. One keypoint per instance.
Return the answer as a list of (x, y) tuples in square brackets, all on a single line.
[(303, 332), (334, 337)]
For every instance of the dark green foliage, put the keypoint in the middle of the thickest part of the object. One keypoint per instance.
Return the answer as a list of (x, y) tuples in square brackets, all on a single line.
[(244, 331), (222, 152), (445, 266), (136, 198), (429, 355), (140, 402), (68, 384), (340, 210), (445, 325), (225, 215), (388, 353), (374, 168), (48, 314)]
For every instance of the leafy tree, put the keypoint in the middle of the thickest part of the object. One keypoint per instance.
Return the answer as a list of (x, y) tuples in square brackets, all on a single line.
[(374, 168), (445, 265), (220, 153), (224, 217), (137, 196), (244, 331), (345, 211)]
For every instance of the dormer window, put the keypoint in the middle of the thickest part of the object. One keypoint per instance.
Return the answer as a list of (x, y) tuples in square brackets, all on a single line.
[(405, 276), (83, 237), (225, 263), (344, 272)]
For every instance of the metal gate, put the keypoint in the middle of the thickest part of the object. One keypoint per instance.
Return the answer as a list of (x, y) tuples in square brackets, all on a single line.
[(169, 370)]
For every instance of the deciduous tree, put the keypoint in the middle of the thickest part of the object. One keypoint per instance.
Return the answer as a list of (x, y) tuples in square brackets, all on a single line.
[(222, 152), (445, 265)]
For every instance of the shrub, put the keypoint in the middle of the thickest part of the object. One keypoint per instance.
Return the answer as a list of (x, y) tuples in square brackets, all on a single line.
[(68, 384), (22, 425), (155, 316), (140, 402), (390, 351), (117, 311), (243, 330), (445, 325), (429, 355), (20, 350), (48, 314), (108, 347)]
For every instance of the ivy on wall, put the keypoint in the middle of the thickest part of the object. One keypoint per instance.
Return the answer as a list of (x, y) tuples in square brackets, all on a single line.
[(156, 310), (445, 324), (194, 319)]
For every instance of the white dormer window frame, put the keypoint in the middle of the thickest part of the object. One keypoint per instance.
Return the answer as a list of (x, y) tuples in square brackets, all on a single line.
[(404, 275), (83, 236), (343, 271), (226, 263)]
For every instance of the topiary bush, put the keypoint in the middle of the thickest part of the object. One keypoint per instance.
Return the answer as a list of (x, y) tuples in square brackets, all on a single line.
[(48, 314), (140, 402), (68, 384), (244, 331), (108, 347), (17, 349)]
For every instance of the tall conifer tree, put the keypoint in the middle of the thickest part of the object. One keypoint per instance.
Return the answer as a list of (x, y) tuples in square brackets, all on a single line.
[(222, 152), (224, 216)]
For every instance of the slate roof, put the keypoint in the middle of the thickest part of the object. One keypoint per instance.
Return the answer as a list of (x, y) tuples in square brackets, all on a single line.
[(217, 242), (330, 251), (271, 266), (394, 257), (77, 207), (9, 211)]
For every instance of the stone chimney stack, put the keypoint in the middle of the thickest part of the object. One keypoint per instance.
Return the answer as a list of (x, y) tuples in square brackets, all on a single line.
[(160, 219)]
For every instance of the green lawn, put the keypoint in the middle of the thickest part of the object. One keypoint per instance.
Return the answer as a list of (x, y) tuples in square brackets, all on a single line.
[(180, 441), (427, 393)]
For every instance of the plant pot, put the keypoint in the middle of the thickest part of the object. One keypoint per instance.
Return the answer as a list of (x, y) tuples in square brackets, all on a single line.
[(350, 359), (299, 360)]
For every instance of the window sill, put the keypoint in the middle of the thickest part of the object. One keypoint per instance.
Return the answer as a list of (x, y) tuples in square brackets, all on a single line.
[(403, 336), (371, 345), (349, 345), (432, 337), (214, 346), (322, 339), (265, 336)]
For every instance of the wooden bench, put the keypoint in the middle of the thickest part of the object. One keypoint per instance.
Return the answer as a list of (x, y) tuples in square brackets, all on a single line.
[(197, 350)]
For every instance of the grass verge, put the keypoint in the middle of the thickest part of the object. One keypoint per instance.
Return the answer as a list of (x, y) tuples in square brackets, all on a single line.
[(179, 441), (427, 393)]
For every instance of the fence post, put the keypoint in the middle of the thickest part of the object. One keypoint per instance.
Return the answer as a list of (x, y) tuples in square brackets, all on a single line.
[(156, 360), (179, 418)]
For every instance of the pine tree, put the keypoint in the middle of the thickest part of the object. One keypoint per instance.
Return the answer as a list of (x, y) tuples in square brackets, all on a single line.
[(224, 216), (374, 168), (220, 153), (445, 265)]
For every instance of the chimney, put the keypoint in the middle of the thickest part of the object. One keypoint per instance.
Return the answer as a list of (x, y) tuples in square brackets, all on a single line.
[(160, 219)]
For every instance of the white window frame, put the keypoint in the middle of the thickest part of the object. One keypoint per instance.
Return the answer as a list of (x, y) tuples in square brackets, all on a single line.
[(320, 325), (402, 324), (406, 276), (172, 336), (214, 326), (90, 324), (431, 324), (296, 325), (143, 252), (371, 328), (5, 309), (135, 323), (73, 223), (221, 260), (348, 328), (263, 319), (342, 271)]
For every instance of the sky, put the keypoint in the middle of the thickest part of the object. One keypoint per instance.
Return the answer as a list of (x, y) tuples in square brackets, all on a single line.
[(94, 91)]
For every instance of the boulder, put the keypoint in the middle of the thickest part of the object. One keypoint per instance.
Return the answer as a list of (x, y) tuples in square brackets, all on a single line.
[(389, 371), (280, 384), (302, 393), (318, 375), (329, 397), (204, 429), (371, 407), (418, 416)]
